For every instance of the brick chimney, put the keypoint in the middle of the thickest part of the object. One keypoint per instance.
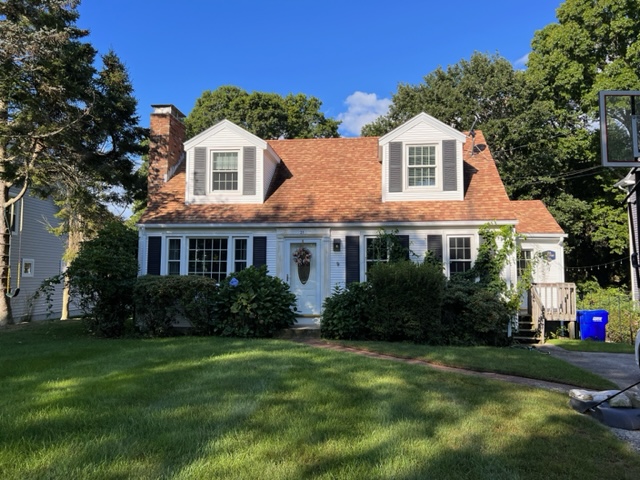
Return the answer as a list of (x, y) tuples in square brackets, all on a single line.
[(166, 148)]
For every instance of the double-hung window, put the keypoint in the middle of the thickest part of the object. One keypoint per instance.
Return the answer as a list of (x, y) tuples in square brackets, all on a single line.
[(240, 254), (459, 254), (421, 165), (377, 251), (173, 264), (224, 171), (524, 262)]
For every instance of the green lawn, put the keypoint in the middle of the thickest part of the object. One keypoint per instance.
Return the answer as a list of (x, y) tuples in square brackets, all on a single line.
[(523, 362), (74, 407), (592, 346)]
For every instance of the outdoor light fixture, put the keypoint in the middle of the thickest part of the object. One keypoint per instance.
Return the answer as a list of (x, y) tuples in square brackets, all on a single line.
[(336, 244)]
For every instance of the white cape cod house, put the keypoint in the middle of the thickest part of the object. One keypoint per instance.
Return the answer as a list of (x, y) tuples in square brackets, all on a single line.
[(226, 199)]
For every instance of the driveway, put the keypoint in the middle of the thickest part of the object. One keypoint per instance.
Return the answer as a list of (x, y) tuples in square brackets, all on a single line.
[(620, 368)]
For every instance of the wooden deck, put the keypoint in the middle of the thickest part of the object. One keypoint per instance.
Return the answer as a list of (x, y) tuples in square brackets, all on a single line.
[(550, 302)]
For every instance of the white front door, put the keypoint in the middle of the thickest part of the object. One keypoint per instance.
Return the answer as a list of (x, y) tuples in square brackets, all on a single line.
[(304, 276)]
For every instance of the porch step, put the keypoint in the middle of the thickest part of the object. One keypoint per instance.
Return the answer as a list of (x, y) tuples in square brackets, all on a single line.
[(299, 332)]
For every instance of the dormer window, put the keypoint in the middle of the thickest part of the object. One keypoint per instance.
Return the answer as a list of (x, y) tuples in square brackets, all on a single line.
[(224, 169), (421, 165)]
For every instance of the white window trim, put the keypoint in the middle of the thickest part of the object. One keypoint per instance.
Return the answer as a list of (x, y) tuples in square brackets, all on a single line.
[(438, 167), (473, 245), (210, 190), (184, 250), (32, 270), (180, 260), (232, 254), (365, 240)]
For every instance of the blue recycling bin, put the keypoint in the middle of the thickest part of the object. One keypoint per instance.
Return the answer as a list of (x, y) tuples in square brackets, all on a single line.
[(592, 324)]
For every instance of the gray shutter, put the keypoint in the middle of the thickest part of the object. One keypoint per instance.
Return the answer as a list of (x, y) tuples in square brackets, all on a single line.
[(404, 243), (200, 171), (449, 170), (352, 263), (395, 167), (259, 251), (249, 171), (154, 255), (434, 244)]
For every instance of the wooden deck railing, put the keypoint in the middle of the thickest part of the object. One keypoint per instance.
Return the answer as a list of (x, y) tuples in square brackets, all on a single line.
[(553, 302)]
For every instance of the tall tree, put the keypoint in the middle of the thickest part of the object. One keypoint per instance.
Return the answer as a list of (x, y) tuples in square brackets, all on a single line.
[(267, 115), (595, 45), (542, 150), (66, 129)]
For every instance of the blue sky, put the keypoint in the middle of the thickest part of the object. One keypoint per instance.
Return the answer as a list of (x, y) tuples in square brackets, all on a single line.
[(350, 54)]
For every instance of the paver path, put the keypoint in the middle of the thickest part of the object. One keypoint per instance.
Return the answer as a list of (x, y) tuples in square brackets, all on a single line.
[(557, 387)]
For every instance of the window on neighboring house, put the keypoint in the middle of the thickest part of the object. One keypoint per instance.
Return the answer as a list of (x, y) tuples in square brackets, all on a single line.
[(377, 251), (28, 267), (459, 254), (421, 164), (224, 171), (240, 254), (524, 261), (173, 267), (208, 257)]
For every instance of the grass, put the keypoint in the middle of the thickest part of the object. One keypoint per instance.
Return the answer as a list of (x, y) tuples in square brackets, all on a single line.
[(592, 346), (72, 407), (523, 362)]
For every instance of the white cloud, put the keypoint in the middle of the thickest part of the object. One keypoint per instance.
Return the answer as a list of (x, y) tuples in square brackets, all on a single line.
[(362, 108), (521, 62)]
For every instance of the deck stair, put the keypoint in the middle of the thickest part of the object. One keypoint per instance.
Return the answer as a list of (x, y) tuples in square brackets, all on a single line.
[(549, 302)]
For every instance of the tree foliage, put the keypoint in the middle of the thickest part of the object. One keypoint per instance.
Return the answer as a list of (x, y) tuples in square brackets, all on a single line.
[(67, 129), (103, 276), (266, 115), (540, 121)]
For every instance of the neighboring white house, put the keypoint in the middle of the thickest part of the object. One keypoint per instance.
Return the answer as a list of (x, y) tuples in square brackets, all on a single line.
[(226, 199), (36, 254)]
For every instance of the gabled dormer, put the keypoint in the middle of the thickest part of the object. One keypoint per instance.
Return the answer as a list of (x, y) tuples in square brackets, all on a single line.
[(227, 164), (422, 160)]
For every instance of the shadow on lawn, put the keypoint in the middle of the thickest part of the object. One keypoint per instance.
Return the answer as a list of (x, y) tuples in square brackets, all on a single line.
[(224, 408)]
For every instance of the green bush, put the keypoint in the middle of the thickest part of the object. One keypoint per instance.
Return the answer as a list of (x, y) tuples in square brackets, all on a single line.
[(407, 301), (252, 303), (160, 301), (624, 318), (346, 312), (473, 314), (102, 276)]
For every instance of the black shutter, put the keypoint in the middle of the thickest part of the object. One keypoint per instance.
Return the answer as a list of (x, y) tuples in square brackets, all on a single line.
[(434, 244), (259, 251), (154, 255), (449, 170), (352, 264), (249, 171), (395, 167), (200, 171), (404, 243)]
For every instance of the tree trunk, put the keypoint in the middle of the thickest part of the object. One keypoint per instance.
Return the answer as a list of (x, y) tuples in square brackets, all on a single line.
[(64, 315), (6, 316)]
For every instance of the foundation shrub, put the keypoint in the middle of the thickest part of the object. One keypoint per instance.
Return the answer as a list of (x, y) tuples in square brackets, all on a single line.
[(473, 314), (346, 312), (162, 301), (407, 301), (252, 303)]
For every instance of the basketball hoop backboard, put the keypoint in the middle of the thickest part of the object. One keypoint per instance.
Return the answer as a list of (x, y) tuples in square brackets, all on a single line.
[(620, 128)]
